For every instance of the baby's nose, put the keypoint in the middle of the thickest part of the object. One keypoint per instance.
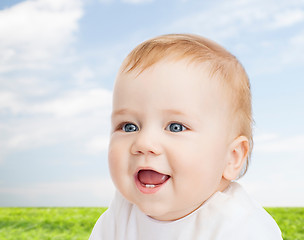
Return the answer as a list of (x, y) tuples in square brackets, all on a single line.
[(146, 143)]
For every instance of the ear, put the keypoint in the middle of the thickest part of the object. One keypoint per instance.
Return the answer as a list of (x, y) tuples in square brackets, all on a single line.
[(236, 157)]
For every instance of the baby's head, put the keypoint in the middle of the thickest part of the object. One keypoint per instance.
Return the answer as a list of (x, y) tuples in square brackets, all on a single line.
[(182, 124)]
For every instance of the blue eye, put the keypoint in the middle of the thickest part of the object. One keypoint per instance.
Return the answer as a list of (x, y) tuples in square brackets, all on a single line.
[(129, 127), (176, 127)]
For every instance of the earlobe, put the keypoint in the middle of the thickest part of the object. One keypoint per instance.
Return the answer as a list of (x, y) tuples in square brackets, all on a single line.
[(236, 157)]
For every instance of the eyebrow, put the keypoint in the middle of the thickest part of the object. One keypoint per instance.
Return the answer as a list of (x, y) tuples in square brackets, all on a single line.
[(129, 111), (122, 111), (187, 115), (174, 112)]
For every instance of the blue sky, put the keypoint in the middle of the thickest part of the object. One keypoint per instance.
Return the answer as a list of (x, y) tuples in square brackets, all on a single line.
[(58, 61)]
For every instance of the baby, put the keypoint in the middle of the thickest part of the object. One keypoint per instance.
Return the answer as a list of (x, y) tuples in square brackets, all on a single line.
[(181, 134)]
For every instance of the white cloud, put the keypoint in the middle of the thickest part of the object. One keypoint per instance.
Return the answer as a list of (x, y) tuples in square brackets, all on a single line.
[(35, 31), (265, 137), (277, 191), (232, 19), (259, 24), (97, 144), (274, 176), (83, 192), (137, 1), (71, 103), (75, 103), (26, 85), (8, 100), (83, 75), (76, 116), (273, 143), (292, 53), (287, 18), (298, 39), (106, 1)]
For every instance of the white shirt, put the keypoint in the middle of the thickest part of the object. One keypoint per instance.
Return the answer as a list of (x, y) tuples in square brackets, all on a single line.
[(228, 215)]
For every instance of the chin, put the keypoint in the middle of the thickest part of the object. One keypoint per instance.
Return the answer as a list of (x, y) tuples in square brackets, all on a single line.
[(155, 212)]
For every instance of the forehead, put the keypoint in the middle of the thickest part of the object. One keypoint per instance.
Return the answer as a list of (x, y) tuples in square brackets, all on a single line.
[(164, 71), (171, 83)]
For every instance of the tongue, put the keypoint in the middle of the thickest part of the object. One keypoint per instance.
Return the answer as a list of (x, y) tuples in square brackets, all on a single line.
[(151, 177)]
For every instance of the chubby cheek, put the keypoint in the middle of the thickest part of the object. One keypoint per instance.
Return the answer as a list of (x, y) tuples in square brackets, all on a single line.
[(197, 166), (117, 162), (113, 163)]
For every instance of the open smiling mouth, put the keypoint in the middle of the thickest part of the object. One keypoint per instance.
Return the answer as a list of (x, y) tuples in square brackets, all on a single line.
[(149, 181)]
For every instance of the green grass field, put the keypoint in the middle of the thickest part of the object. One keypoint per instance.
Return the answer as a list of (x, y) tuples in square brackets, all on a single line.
[(77, 223), (290, 221)]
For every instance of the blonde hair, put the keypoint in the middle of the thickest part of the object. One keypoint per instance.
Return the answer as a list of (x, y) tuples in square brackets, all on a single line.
[(201, 50)]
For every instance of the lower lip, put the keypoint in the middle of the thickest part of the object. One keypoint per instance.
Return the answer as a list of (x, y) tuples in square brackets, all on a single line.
[(147, 190)]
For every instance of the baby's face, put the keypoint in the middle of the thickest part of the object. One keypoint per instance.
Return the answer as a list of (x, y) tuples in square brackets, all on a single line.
[(170, 138)]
